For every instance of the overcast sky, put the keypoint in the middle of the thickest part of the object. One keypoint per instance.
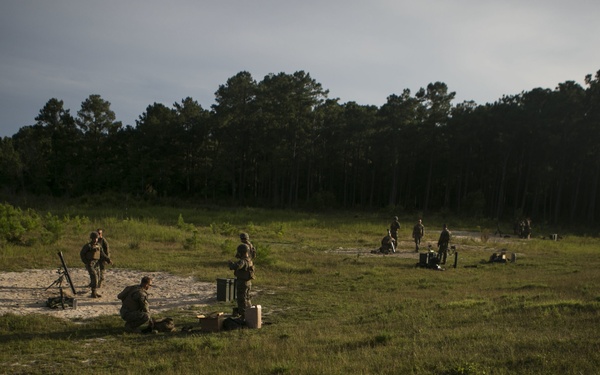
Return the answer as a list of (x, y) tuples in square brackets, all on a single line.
[(137, 52)]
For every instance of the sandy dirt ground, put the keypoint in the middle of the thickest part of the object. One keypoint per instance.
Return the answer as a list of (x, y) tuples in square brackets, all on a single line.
[(27, 292)]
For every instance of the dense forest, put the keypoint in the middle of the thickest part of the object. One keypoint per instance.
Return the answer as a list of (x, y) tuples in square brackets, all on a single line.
[(282, 142)]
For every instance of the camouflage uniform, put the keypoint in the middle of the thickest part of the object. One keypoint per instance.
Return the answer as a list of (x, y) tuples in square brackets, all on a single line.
[(245, 238), (104, 258), (443, 245), (417, 234), (527, 229), (243, 270), (394, 227), (135, 309), (387, 244), (90, 255)]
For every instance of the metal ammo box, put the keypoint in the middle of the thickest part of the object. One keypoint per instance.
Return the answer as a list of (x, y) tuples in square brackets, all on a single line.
[(226, 289), (427, 259)]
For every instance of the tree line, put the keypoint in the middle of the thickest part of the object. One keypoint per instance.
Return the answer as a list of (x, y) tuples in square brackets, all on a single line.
[(282, 142)]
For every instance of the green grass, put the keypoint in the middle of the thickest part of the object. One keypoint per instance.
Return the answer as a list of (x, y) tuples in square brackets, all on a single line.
[(324, 312)]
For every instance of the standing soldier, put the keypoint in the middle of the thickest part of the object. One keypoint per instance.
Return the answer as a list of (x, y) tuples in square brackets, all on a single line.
[(394, 227), (417, 234), (443, 245), (243, 270), (245, 238), (90, 255), (104, 256), (527, 228)]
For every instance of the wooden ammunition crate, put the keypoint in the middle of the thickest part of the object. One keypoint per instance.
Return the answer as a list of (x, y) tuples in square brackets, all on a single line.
[(211, 323)]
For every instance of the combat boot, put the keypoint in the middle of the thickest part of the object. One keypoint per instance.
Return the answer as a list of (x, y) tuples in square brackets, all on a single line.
[(95, 294)]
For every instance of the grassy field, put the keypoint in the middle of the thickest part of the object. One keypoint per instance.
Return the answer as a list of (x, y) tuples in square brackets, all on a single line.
[(324, 311)]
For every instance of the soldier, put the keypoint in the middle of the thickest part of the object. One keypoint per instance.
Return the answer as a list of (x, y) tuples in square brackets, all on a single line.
[(394, 227), (443, 245), (388, 245), (243, 270), (527, 228), (135, 309), (90, 255), (417, 234), (104, 257), (245, 238)]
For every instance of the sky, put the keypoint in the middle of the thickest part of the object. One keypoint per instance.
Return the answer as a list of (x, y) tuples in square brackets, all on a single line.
[(134, 53)]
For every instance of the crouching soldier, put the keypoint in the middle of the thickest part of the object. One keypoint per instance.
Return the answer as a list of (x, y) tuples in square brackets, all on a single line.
[(388, 244), (243, 270), (135, 310)]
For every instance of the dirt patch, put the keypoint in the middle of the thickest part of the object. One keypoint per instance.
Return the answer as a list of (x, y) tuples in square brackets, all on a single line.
[(405, 249), (23, 293)]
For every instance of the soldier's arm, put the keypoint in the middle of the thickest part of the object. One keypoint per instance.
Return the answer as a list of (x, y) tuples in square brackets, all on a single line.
[(104, 255), (142, 301), (106, 248), (83, 253)]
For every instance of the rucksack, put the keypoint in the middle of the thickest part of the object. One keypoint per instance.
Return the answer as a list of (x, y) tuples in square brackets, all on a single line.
[(230, 324), (164, 325)]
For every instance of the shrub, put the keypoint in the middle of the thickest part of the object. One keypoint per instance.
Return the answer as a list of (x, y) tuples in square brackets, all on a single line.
[(192, 242), (15, 223), (181, 224), (54, 229)]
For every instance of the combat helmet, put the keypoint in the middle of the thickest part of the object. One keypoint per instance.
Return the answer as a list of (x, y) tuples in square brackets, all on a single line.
[(242, 251)]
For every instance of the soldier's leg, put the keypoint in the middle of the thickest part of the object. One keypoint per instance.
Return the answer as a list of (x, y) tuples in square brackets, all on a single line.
[(92, 269), (247, 301), (241, 297), (134, 320), (101, 266)]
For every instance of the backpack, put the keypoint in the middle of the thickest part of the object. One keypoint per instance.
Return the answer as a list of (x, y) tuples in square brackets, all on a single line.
[(62, 302), (230, 324), (164, 325)]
